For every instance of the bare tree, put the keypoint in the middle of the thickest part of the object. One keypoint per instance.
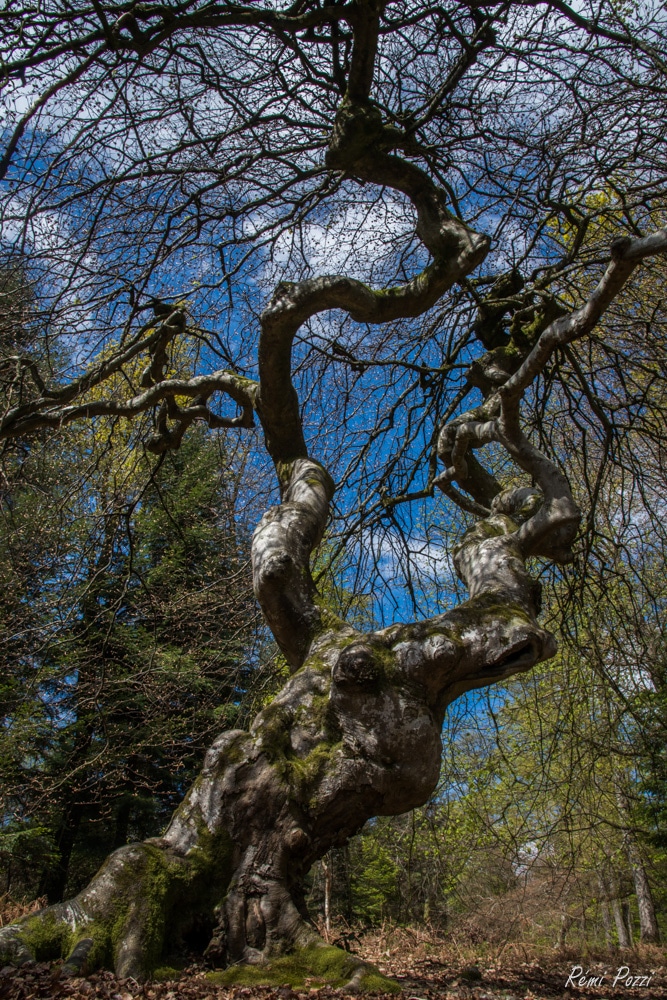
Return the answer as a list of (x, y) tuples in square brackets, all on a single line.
[(477, 135)]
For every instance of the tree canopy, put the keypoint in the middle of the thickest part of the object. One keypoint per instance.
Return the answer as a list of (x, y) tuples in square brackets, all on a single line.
[(177, 153)]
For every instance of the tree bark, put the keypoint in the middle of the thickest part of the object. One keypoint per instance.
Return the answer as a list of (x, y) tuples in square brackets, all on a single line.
[(566, 922), (610, 886), (618, 909), (328, 883), (649, 931), (354, 733), (606, 921)]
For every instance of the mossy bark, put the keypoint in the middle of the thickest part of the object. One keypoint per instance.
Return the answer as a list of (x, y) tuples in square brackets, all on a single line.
[(354, 733)]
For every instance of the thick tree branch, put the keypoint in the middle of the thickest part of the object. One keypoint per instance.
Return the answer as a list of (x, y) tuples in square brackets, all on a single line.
[(626, 255), (455, 441), (551, 529), (285, 538), (150, 338), (281, 548), (366, 23), (44, 414)]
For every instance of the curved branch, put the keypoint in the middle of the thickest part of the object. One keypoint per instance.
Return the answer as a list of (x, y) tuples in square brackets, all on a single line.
[(547, 529), (472, 429), (44, 414), (281, 548), (550, 530), (149, 338), (626, 255), (471, 434), (460, 499), (359, 146)]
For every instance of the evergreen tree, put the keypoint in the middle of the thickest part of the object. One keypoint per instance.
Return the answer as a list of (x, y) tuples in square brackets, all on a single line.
[(134, 634)]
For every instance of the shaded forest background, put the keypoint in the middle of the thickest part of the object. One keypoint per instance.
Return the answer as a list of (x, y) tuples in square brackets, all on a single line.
[(129, 638)]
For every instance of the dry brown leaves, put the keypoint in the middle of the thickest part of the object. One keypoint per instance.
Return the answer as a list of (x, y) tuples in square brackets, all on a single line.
[(421, 979), (12, 909)]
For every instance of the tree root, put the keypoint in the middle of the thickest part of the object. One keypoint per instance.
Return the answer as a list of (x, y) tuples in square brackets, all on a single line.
[(144, 899), (315, 965)]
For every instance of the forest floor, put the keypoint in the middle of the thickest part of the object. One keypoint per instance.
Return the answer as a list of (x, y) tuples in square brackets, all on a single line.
[(443, 972)]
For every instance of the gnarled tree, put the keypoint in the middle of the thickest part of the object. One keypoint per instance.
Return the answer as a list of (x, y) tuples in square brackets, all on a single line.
[(425, 110)]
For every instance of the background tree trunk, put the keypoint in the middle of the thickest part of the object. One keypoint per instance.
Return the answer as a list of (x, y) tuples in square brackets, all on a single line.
[(606, 922), (648, 925), (54, 879), (619, 910)]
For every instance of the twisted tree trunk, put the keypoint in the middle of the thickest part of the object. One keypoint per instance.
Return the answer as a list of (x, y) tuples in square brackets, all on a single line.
[(355, 732)]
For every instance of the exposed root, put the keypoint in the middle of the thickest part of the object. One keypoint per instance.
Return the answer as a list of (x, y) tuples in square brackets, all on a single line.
[(318, 964)]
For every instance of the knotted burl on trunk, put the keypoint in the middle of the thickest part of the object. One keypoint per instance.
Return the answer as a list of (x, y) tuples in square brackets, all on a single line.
[(354, 733)]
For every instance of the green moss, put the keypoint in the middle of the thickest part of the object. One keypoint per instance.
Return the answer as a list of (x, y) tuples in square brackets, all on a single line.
[(528, 323), (275, 731), (167, 972), (491, 527), (157, 894), (164, 897), (373, 981), (235, 752), (314, 709), (100, 954), (241, 380), (45, 937), (300, 772), (329, 622), (315, 713), (387, 659), (490, 606), (319, 964), (303, 772), (212, 859), (284, 468), (159, 881), (179, 890), (483, 611), (284, 471)]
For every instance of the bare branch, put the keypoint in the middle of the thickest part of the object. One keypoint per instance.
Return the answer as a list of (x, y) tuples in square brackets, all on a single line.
[(626, 254)]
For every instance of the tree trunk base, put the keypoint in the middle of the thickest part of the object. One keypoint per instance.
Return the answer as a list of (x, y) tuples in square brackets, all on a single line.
[(145, 901), (138, 946), (318, 964), (354, 733)]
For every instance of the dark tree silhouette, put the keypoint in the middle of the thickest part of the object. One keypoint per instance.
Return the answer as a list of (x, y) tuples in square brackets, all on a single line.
[(229, 127)]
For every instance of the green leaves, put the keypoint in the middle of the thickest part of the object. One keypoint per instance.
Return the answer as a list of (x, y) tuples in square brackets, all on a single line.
[(129, 628)]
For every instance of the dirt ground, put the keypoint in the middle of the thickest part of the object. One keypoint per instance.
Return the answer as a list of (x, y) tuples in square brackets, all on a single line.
[(421, 977)]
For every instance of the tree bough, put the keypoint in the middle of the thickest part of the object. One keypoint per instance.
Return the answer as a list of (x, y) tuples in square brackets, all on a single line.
[(355, 731)]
